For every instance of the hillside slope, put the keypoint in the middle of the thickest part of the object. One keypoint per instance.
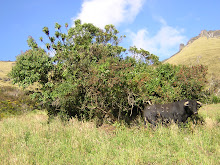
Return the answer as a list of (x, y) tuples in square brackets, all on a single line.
[(5, 68), (203, 50)]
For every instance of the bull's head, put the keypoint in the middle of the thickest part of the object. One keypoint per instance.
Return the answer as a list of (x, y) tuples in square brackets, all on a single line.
[(192, 106)]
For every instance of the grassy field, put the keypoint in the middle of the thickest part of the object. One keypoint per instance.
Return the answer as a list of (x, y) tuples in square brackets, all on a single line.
[(28, 139), (204, 51)]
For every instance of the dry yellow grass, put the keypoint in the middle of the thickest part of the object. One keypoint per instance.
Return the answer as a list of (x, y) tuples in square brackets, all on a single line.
[(204, 51), (211, 111), (5, 68), (29, 139)]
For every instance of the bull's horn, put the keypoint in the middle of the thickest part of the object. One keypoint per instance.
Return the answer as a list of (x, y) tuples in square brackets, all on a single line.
[(186, 103), (198, 102), (148, 102)]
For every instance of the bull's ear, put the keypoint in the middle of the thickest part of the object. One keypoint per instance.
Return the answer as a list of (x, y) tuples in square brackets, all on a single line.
[(199, 103), (186, 103)]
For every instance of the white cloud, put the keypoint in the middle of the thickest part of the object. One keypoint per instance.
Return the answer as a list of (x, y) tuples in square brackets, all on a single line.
[(103, 12), (164, 44)]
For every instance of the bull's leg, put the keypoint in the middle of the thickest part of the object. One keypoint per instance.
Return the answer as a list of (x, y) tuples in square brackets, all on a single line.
[(151, 120), (145, 121)]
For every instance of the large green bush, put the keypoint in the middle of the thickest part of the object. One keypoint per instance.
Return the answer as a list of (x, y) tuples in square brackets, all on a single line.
[(89, 75)]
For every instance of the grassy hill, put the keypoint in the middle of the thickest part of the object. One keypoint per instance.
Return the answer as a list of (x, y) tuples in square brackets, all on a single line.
[(204, 51), (5, 68)]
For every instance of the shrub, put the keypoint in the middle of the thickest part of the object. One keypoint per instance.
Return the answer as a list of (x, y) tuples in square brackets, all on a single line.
[(89, 76)]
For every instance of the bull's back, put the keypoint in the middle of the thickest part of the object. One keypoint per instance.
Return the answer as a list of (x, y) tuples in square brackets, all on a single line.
[(165, 109)]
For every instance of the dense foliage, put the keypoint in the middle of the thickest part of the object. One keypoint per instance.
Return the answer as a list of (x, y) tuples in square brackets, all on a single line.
[(89, 75)]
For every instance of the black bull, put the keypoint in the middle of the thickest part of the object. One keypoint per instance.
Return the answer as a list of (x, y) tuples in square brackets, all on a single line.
[(178, 111)]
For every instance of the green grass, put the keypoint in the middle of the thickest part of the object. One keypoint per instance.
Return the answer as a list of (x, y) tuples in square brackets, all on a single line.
[(28, 139)]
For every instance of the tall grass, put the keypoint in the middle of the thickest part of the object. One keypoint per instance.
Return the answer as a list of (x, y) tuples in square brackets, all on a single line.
[(28, 139)]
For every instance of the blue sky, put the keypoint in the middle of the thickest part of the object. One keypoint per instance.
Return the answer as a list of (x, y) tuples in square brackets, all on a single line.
[(158, 26)]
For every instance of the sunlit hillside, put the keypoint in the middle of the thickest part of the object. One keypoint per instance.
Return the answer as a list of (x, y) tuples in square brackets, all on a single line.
[(5, 80), (5, 68), (204, 51)]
